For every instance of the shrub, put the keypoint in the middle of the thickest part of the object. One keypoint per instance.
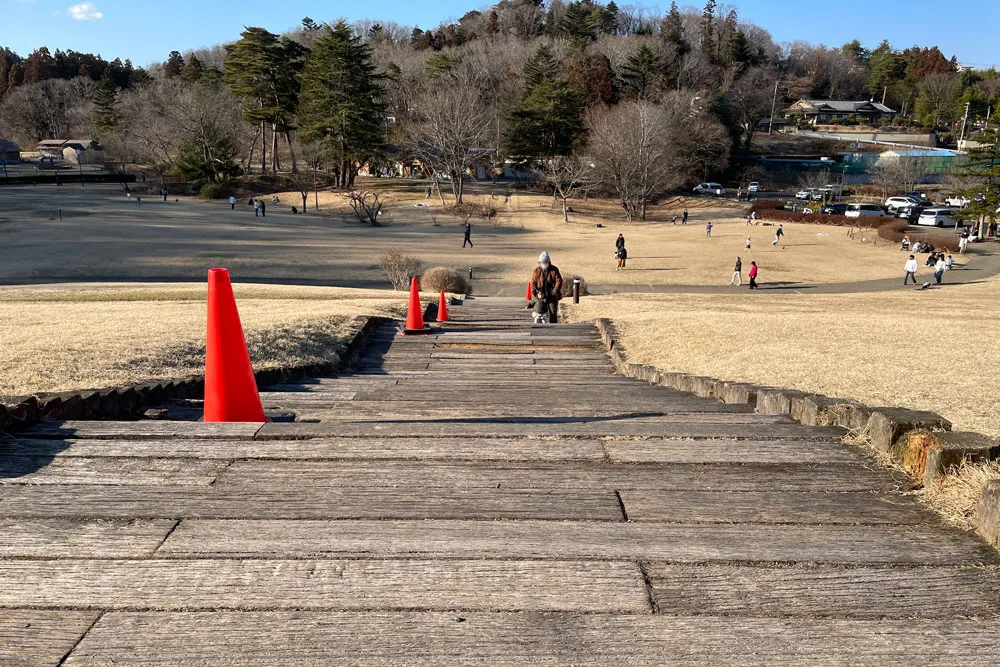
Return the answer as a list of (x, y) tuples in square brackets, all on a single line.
[(893, 231), (767, 205), (442, 278), (810, 218), (940, 241), (399, 267), (211, 191), (469, 209), (567, 286)]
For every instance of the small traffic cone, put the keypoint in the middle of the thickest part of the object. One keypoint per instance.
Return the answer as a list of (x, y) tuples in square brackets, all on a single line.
[(442, 315), (527, 296), (415, 313), (230, 387)]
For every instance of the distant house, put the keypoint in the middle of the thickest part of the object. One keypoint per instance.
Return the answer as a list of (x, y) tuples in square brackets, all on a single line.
[(9, 151), (833, 112), (77, 151)]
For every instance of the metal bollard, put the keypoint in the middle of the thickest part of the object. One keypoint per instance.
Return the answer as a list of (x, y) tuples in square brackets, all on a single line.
[(470, 273), (576, 290)]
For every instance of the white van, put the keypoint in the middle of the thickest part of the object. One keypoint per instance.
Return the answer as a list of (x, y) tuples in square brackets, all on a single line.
[(937, 217), (864, 211), (710, 189)]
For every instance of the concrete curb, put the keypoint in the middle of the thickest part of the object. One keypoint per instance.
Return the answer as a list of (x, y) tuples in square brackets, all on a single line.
[(131, 400), (987, 517), (918, 440)]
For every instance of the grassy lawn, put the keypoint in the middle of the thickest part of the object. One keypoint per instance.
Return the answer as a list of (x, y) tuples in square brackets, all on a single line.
[(87, 336), (927, 350)]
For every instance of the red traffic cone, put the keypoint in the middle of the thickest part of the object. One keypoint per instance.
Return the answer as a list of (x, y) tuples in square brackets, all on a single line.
[(442, 308), (415, 313), (528, 295), (230, 387)]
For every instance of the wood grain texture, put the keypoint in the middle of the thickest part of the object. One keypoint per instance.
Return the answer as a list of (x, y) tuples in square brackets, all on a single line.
[(817, 592), (303, 501), (139, 429), (118, 470), (411, 639), (681, 543), (485, 585), (472, 449), (36, 638), (564, 475), (95, 538), (683, 450)]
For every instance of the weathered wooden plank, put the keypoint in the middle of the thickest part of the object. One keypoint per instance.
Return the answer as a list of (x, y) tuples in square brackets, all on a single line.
[(773, 507), (103, 538), (425, 639), (418, 410), (569, 475), (678, 426), (139, 429), (678, 543), (118, 470), (824, 591), (171, 584), (285, 394), (37, 638), (482, 449), (680, 450), (296, 501)]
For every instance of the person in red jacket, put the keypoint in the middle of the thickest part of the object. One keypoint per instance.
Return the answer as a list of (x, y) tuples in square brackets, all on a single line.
[(753, 275)]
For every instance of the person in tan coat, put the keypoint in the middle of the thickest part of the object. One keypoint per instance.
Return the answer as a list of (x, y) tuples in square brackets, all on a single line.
[(546, 288)]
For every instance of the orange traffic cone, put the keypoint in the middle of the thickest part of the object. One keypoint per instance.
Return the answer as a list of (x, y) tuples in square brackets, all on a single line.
[(230, 387), (442, 308), (528, 295), (415, 313)]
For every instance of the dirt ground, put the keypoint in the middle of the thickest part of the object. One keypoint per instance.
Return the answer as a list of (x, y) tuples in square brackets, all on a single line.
[(53, 234), (89, 336), (929, 350)]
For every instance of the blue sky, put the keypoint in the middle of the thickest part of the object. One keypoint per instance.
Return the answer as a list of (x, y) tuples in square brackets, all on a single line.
[(147, 31)]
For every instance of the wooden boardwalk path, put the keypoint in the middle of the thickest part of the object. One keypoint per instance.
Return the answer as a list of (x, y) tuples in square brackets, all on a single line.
[(490, 495)]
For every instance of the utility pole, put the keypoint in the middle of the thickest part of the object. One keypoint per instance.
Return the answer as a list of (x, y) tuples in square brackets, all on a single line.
[(774, 100), (965, 119)]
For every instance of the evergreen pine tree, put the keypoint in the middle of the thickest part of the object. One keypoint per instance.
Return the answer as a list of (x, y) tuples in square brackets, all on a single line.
[(192, 70), (341, 106), (173, 66), (549, 120), (641, 71), (105, 114), (708, 30)]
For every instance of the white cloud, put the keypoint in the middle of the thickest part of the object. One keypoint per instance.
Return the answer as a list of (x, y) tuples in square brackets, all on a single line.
[(85, 11)]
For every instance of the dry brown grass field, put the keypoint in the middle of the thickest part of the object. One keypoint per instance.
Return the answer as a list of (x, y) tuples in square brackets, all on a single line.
[(660, 252), (929, 350), (86, 336)]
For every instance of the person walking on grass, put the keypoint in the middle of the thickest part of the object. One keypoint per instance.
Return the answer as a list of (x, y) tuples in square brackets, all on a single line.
[(708, 230), (256, 207), (619, 243), (622, 255), (468, 234), (232, 203), (911, 270), (939, 268), (778, 234), (164, 193), (684, 218), (674, 219), (748, 243), (737, 274), (263, 209), (753, 275)]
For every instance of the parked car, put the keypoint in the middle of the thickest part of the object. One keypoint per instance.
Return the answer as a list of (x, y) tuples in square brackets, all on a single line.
[(938, 217), (834, 209), (710, 189), (910, 212), (864, 211), (956, 201), (805, 193), (892, 203), (916, 194), (753, 187), (832, 188)]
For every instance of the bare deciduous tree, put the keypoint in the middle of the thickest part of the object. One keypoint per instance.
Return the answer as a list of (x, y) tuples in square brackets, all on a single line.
[(50, 109), (895, 174), (450, 133), (567, 176), (642, 149), (367, 205)]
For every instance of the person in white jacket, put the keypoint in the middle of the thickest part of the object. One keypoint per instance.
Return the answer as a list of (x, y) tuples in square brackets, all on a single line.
[(939, 269), (911, 270)]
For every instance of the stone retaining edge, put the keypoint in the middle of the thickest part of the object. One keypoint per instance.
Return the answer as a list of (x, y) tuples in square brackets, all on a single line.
[(920, 441), (129, 401)]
